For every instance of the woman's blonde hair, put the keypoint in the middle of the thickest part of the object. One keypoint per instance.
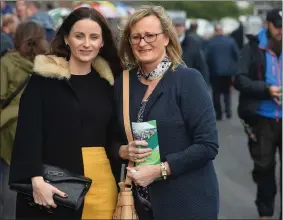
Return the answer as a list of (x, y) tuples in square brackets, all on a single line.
[(173, 49)]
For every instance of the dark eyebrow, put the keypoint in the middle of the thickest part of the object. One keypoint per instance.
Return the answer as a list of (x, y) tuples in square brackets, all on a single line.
[(95, 34), (78, 32), (84, 34)]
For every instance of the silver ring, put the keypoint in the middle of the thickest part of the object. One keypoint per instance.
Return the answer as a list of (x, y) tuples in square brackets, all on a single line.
[(133, 171)]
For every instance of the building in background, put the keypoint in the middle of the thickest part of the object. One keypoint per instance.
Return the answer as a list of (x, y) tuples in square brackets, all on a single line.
[(261, 8)]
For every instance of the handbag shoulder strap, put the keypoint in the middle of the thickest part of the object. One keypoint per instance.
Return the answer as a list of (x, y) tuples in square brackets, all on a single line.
[(126, 116), (4, 103)]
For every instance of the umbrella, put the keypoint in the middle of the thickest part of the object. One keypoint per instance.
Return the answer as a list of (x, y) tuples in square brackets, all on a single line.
[(229, 25), (108, 9), (122, 9), (59, 14)]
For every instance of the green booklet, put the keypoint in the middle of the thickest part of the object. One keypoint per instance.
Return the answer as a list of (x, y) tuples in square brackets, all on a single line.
[(147, 131)]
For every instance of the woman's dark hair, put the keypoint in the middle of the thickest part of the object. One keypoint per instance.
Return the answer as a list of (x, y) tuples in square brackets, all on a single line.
[(29, 40), (108, 51)]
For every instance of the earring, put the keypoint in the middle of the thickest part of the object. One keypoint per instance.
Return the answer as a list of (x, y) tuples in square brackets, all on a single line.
[(68, 51), (67, 47)]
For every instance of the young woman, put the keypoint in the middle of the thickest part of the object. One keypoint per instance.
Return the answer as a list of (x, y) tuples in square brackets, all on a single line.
[(65, 118)]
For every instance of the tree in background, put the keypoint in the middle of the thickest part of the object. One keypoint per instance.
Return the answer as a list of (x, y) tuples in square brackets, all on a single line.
[(210, 10)]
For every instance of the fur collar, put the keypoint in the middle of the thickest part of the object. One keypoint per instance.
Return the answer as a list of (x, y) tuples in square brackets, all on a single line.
[(51, 66)]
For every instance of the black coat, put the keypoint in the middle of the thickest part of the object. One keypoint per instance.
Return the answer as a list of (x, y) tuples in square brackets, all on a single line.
[(50, 126), (193, 56), (188, 140), (250, 80)]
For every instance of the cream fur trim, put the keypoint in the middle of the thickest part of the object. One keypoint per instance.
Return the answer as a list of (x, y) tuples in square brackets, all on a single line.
[(103, 68), (51, 66)]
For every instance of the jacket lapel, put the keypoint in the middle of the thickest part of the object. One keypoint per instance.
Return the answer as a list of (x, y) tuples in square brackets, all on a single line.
[(137, 91), (159, 90)]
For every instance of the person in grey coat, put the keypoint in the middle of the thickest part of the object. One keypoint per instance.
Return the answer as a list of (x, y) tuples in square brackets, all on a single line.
[(163, 89)]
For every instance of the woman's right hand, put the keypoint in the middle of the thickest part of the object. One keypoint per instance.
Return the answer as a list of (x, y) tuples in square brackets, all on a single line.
[(134, 154), (43, 192)]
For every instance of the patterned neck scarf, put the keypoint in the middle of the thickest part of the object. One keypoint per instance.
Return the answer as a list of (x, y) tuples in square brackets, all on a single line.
[(162, 67)]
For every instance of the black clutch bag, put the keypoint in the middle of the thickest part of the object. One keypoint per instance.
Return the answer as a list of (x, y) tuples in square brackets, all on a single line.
[(75, 186)]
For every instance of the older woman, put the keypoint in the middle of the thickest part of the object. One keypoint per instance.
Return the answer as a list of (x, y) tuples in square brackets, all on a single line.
[(165, 90)]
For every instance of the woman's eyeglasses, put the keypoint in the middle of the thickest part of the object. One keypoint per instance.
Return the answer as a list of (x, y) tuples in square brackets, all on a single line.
[(148, 38)]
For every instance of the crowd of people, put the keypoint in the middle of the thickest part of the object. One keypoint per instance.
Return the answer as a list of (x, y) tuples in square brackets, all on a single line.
[(62, 104)]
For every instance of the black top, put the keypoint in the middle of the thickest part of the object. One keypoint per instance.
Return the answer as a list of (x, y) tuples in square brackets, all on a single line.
[(193, 56), (95, 109)]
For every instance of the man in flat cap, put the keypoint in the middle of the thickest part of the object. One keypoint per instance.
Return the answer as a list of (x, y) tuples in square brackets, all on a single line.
[(192, 52)]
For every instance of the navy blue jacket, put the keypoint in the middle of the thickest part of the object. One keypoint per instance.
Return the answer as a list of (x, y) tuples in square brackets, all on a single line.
[(6, 43), (188, 140), (221, 56)]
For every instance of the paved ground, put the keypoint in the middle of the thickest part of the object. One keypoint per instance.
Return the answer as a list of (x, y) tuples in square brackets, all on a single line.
[(233, 166)]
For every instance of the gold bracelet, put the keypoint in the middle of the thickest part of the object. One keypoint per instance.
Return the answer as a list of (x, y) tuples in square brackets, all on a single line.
[(163, 170)]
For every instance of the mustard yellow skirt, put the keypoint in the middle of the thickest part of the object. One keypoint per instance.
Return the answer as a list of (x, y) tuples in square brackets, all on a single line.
[(100, 201)]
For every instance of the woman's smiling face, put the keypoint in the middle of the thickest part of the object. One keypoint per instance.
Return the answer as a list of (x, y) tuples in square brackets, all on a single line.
[(85, 40), (155, 48)]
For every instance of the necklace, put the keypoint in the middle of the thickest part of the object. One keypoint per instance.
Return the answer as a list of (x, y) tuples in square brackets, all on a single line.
[(157, 72)]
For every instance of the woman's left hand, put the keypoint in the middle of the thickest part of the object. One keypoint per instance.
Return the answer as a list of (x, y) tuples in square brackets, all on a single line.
[(144, 175)]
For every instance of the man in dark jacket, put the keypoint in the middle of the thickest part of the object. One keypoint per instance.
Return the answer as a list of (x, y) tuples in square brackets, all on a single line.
[(193, 32), (238, 35), (222, 56), (192, 53), (260, 107)]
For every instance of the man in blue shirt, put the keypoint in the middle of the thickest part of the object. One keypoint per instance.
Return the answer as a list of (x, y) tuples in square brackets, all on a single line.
[(260, 107), (5, 9), (262, 36)]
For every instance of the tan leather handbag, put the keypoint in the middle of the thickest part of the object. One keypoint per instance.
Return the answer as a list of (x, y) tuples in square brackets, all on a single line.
[(125, 208)]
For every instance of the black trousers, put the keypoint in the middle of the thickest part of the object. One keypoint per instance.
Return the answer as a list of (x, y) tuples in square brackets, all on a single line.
[(221, 85), (7, 197), (268, 138)]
